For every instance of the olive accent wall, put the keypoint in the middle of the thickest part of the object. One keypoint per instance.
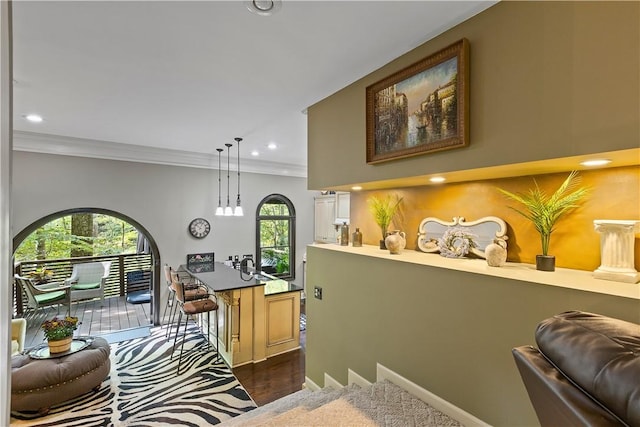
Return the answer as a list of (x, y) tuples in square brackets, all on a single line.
[(614, 194), (451, 332), (547, 80)]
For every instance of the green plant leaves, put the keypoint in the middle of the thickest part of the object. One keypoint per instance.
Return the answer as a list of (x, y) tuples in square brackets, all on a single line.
[(543, 210)]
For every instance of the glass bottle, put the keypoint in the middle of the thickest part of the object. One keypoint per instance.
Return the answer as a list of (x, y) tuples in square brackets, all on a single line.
[(356, 238), (344, 234)]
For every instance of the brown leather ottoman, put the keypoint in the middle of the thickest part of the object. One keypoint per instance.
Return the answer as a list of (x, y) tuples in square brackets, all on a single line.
[(38, 384)]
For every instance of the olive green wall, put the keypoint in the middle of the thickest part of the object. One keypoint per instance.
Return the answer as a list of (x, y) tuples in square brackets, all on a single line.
[(450, 332), (547, 80)]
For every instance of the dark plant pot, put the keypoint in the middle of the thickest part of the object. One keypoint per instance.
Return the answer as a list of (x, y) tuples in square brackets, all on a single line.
[(545, 262), (382, 244)]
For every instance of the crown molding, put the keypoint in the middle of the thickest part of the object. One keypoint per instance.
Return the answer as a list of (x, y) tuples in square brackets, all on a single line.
[(79, 147)]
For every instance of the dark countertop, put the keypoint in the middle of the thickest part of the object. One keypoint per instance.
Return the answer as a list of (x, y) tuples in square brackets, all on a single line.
[(223, 278), (279, 286)]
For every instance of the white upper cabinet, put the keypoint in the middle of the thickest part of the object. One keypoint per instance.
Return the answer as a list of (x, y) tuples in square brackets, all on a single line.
[(325, 215), (331, 211), (343, 202)]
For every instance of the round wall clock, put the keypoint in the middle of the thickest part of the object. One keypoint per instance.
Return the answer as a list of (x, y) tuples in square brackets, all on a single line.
[(199, 228)]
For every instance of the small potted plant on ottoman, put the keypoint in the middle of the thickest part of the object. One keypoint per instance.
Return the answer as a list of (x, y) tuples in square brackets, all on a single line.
[(59, 333)]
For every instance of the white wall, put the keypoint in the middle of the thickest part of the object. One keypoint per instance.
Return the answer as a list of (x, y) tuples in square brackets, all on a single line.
[(5, 201), (164, 199)]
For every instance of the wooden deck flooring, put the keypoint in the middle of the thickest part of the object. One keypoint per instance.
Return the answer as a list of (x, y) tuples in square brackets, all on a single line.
[(116, 314)]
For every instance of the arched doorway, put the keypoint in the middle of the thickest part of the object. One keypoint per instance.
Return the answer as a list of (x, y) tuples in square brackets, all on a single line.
[(153, 247)]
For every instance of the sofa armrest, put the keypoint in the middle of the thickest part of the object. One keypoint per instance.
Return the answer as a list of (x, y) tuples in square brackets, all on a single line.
[(556, 400), (599, 354)]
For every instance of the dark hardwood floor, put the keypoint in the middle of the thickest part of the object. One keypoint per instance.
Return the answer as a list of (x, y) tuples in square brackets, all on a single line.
[(276, 377)]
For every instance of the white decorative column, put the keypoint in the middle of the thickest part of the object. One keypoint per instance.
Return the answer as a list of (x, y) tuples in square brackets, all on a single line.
[(616, 250)]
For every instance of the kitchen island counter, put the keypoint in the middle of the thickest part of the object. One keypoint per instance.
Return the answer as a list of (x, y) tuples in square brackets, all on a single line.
[(256, 318)]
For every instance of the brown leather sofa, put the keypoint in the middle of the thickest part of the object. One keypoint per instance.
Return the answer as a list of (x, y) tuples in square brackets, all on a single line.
[(585, 371)]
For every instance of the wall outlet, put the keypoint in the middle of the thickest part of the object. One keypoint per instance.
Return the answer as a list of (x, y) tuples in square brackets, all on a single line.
[(317, 292)]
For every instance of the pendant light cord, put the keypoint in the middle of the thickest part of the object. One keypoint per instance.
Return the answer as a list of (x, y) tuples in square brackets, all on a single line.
[(228, 151), (238, 141), (219, 150)]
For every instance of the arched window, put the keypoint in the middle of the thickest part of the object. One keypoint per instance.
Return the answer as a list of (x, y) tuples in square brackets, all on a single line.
[(276, 236)]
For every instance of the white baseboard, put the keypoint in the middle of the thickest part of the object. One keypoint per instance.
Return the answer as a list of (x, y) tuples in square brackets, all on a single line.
[(437, 402), (354, 378), (329, 381), (310, 385)]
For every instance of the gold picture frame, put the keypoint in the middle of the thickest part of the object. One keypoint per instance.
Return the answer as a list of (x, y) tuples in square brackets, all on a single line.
[(420, 109)]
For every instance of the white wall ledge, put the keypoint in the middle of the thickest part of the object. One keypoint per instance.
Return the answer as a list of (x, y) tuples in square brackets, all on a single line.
[(562, 277)]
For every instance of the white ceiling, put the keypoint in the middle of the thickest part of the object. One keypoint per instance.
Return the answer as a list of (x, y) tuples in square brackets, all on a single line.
[(140, 80)]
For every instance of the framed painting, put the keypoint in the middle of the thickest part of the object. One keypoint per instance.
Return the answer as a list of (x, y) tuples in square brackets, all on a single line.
[(420, 109)]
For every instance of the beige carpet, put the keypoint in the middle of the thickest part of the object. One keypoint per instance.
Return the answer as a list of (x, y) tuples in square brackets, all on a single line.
[(381, 404)]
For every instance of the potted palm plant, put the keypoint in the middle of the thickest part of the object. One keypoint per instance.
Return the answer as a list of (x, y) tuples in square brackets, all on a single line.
[(544, 211), (383, 210)]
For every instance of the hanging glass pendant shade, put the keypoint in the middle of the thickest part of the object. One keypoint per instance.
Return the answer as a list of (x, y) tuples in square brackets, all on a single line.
[(219, 210), (238, 211)]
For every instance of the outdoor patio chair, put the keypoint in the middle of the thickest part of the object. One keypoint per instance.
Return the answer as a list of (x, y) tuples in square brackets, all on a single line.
[(88, 280), (46, 295)]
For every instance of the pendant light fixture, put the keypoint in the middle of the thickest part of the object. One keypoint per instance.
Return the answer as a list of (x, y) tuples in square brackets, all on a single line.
[(238, 211), (219, 210), (228, 211)]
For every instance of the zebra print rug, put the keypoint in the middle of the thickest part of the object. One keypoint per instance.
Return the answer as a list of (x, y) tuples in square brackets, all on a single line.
[(144, 390)]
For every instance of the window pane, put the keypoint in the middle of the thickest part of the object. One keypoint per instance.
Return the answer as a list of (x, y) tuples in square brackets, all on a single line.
[(274, 208), (275, 260), (274, 233)]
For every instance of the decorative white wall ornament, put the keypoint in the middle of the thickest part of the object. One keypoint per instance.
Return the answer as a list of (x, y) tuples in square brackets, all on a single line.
[(616, 250), (485, 230)]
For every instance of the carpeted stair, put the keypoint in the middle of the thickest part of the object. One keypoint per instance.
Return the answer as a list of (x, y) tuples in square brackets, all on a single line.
[(381, 404), (303, 400)]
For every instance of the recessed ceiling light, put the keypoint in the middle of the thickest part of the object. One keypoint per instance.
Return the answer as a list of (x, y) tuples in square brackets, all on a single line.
[(33, 118), (272, 146), (255, 153), (356, 188), (596, 162), (437, 179), (263, 7)]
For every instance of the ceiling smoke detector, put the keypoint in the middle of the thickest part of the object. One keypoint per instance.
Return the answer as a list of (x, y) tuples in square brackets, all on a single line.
[(263, 7)]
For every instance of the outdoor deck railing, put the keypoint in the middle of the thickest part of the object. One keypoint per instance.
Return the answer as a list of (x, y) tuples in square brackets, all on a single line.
[(116, 284)]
